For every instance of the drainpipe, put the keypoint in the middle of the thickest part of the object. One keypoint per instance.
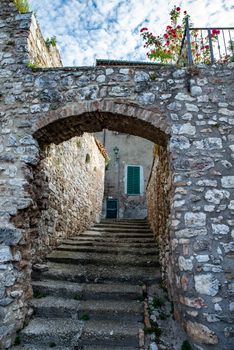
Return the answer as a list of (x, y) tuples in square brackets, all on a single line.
[(116, 151)]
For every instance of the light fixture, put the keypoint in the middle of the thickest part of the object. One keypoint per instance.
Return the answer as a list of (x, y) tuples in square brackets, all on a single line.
[(116, 150)]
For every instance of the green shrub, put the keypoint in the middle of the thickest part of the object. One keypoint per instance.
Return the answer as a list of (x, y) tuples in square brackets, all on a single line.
[(186, 345), (33, 65), (39, 295), (52, 345), (85, 317), (17, 340), (22, 5), (157, 302), (51, 41)]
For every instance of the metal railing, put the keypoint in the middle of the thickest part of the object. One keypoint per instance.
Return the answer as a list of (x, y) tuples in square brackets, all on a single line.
[(207, 45)]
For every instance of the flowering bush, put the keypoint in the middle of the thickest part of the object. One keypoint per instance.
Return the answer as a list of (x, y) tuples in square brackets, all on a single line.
[(166, 48)]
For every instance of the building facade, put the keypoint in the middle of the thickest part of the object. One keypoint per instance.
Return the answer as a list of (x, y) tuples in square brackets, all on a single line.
[(127, 174)]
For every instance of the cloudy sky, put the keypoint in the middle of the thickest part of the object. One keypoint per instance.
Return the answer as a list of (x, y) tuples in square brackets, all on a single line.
[(109, 29)]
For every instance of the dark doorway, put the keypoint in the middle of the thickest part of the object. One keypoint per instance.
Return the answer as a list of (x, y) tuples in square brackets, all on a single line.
[(111, 208)]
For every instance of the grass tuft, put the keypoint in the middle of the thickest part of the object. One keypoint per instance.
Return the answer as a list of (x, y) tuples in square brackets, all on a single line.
[(22, 6)]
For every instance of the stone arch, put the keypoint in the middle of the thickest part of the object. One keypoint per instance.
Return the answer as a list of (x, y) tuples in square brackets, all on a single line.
[(92, 116)]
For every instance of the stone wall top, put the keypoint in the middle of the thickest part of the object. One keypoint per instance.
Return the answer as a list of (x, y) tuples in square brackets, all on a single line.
[(39, 53)]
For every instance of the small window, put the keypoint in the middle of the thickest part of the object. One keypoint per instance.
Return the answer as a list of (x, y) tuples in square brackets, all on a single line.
[(133, 179)]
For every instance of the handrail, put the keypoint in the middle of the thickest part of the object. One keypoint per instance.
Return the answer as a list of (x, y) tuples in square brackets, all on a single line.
[(213, 46)]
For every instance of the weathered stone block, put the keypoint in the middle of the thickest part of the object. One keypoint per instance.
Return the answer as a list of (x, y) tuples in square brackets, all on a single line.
[(185, 264), (201, 333), (195, 219), (10, 236), (227, 181), (206, 284), (220, 229), (196, 90), (216, 196), (5, 254)]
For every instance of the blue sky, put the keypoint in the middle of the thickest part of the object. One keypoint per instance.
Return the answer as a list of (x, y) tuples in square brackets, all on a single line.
[(109, 29)]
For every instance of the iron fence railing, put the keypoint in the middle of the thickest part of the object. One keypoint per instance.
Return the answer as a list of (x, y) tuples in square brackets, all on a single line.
[(207, 45)]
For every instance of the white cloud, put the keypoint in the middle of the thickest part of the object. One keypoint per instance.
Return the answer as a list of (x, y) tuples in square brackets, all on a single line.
[(91, 29)]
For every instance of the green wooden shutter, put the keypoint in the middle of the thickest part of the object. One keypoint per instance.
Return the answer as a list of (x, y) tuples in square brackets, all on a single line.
[(133, 180)]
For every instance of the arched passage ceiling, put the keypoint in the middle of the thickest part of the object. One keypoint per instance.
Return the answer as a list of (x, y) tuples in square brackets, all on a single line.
[(56, 128)]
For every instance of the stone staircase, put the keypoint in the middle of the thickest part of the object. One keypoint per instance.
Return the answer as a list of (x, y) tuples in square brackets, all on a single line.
[(91, 296)]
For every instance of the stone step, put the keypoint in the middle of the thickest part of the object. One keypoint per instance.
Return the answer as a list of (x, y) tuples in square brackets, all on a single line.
[(69, 333), (41, 347), (51, 346), (111, 243), (112, 347), (100, 273), (120, 229), (54, 307), (70, 257), (114, 240), (124, 221), (111, 334), (84, 291), (122, 225), (59, 331), (109, 250), (107, 235)]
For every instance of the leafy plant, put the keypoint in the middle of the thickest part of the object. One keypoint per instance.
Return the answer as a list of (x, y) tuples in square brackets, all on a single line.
[(51, 41), (87, 158), (17, 340), (148, 330), (52, 344), (163, 316), (22, 6), (78, 143), (186, 345), (33, 65), (77, 296), (26, 323), (107, 163), (157, 302), (85, 317), (166, 48), (39, 295)]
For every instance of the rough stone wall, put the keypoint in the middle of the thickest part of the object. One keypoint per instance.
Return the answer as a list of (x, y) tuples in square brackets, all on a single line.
[(68, 185), (190, 110), (39, 54), (159, 195)]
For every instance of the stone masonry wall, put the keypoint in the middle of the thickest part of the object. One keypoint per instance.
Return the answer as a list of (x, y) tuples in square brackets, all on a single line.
[(159, 197), (68, 185), (39, 54), (188, 110)]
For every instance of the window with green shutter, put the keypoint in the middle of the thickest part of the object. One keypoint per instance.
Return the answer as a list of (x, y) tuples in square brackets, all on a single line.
[(133, 180)]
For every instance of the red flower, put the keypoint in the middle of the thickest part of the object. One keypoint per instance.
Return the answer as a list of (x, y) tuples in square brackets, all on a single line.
[(165, 36), (168, 42), (215, 32), (178, 9), (185, 12), (143, 30), (207, 47)]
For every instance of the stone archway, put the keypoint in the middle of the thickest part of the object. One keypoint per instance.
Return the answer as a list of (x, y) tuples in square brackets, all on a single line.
[(196, 111), (92, 116), (65, 123)]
